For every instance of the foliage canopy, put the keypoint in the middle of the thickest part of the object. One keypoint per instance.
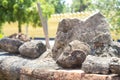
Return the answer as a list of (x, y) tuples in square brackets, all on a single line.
[(23, 11)]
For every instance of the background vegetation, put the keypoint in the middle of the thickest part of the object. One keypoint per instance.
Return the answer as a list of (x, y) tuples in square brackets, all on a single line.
[(25, 11)]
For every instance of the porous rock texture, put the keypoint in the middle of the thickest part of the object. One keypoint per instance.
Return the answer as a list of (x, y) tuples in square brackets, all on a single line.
[(12, 64), (20, 36), (115, 65), (10, 45), (96, 65), (32, 49), (74, 54), (38, 74), (89, 31)]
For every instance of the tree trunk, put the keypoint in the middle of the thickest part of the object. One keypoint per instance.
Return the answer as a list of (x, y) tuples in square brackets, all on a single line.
[(19, 27)]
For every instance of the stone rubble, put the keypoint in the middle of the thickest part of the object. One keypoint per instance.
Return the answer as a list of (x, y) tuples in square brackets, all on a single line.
[(32, 49), (74, 54), (19, 36), (10, 45), (38, 74), (85, 45), (11, 65), (96, 65)]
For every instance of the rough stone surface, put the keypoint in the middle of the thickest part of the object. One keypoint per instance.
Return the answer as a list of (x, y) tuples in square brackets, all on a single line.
[(116, 47), (19, 36), (85, 31), (74, 54), (115, 65), (10, 45), (32, 49), (12, 64), (98, 65), (38, 74)]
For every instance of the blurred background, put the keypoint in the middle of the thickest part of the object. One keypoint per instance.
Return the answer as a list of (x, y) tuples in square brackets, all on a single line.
[(21, 16)]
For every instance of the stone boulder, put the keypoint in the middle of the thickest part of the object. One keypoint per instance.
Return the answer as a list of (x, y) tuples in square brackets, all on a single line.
[(32, 49), (74, 54), (20, 36), (10, 45), (96, 65), (115, 65), (85, 31), (12, 64), (106, 50)]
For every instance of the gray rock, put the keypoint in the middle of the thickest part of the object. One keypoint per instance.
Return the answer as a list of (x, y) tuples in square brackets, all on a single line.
[(20, 36), (107, 50), (32, 49), (96, 65), (12, 64), (115, 65), (46, 63), (85, 31), (74, 54), (10, 45), (116, 47)]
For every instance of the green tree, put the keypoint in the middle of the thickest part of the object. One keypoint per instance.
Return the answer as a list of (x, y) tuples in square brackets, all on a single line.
[(80, 5), (111, 10), (22, 11), (59, 5)]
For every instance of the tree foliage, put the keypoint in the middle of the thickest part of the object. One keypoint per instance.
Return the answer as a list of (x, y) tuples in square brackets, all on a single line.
[(111, 10), (59, 5), (23, 11), (80, 5)]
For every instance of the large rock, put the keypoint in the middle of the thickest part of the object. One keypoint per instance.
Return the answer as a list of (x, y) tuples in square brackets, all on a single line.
[(38, 74), (106, 50), (32, 49), (96, 65), (10, 45), (85, 31), (115, 65), (12, 64), (74, 54)]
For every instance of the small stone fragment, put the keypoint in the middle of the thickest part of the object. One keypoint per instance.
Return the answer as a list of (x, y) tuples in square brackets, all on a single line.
[(32, 49)]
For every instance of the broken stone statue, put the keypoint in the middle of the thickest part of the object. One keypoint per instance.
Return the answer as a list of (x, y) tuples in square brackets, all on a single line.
[(74, 54)]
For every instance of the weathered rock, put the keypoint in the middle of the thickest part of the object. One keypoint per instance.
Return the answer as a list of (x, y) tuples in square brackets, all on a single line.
[(38, 74), (116, 47), (115, 65), (107, 50), (98, 65), (19, 36), (85, 31), (46, 54), (12, 64), (46, 63), (32, 49), (10, 45), (74, 54)]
